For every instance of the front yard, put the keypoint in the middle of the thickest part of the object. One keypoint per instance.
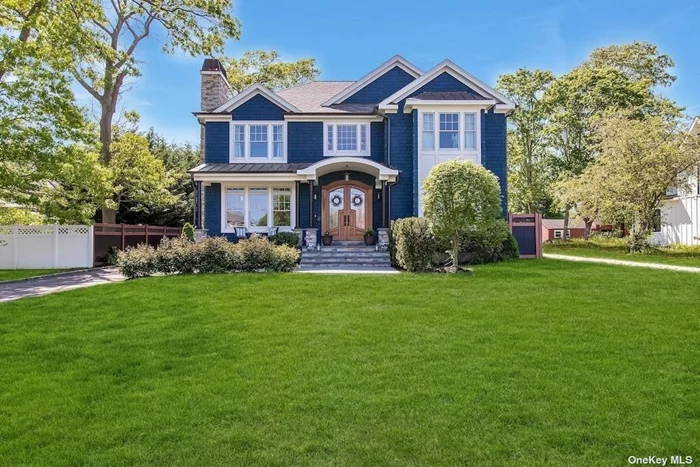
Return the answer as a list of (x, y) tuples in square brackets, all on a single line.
[(527, 363), (678, 255), (17, 274)]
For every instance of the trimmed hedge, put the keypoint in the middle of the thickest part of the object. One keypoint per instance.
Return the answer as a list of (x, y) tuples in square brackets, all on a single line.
[(286, 238), (414, 243), (209, 256), (411, 241)]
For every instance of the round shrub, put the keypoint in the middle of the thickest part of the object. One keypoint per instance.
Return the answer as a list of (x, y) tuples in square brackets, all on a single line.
[(285, 258), (256, 253), (414, 243), (188, 232), (286, 238), (139, 261), (214, 255)]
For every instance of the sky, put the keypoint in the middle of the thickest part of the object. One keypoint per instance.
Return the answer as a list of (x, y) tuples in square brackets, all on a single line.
[(487, 38)]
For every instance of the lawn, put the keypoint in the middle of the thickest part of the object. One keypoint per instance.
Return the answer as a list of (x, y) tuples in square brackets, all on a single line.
[(16, 274), (523, 363), (594, 250)]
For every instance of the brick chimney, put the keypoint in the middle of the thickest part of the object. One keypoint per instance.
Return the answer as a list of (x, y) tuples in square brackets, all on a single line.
[(215, 87)]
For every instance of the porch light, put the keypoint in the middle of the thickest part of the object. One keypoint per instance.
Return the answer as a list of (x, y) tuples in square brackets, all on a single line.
[(347, 176)]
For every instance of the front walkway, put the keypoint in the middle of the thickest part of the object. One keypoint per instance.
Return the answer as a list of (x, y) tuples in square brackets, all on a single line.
[(58, 283), (618, 262)]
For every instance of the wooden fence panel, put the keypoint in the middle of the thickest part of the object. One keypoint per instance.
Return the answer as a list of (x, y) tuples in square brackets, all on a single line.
[(527, 230), (121, 236)]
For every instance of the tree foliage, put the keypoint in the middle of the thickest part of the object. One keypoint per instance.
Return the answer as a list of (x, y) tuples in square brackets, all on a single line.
[(458, 197), (528, 166), (266, 68)]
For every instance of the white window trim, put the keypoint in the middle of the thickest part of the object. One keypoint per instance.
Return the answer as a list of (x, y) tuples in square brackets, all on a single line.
[(247, 124), (270, 190), (359, 153), (459, 151)]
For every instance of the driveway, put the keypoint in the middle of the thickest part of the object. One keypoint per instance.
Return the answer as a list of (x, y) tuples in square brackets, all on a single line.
[(58, 283)]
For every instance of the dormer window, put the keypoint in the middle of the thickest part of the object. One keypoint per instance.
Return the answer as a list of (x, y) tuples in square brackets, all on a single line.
[(258, 141), (346, 139)]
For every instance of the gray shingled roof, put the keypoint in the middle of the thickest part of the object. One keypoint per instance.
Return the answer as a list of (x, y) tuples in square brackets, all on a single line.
[(309, 97), (559, 224), (249, 168), (448, 96)]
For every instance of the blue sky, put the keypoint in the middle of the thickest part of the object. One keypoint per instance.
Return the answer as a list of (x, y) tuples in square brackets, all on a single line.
[(486, 38)]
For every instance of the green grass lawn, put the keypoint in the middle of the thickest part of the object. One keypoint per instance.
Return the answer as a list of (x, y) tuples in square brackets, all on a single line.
[(613, 252), (16, 274), (523, 363)]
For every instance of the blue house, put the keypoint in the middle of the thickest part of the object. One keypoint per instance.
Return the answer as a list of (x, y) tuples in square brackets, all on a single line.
[(339, 156)]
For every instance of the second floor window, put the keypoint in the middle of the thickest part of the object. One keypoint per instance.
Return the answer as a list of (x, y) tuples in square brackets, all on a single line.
[(449, 131), (258, 141), (347, 139)]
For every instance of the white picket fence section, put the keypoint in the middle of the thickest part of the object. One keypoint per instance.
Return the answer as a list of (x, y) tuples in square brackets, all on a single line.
[(46, 246)]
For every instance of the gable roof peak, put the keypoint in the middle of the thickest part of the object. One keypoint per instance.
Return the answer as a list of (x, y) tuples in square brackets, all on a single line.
[(252, 91), (396, 60)]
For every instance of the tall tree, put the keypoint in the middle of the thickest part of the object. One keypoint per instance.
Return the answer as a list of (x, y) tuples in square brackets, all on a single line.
[(266, 68), (116, 29), (43, 133), (640, 159), (176, 160), (528, 172)]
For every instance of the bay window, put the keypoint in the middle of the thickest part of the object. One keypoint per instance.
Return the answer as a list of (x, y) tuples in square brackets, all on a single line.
[(346, 139), (256, 208), (449, 131), (259, 141)]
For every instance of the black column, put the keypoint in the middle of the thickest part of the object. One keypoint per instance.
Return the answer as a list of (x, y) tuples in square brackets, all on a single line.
[(197, 214), (298, 203), (311, 204), (384, 204)]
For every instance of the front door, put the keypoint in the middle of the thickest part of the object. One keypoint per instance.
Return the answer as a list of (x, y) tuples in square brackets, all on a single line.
[(347, 209)]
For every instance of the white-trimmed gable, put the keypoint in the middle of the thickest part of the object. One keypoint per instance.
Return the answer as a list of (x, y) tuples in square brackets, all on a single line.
[(448, 66), (393, 62), (252, 91)]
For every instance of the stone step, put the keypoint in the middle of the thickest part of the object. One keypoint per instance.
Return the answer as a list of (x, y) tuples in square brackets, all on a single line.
[(345, 254), (354, 266), (342, 259), (345, 248)]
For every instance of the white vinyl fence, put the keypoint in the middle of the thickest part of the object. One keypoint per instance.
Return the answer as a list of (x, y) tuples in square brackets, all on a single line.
[(46, 246)]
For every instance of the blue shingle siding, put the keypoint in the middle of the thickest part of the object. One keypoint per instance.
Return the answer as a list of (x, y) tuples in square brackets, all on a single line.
[(381, 88), (305, 142), (258, 108), (377, 141), (445, 82), (494, 150), (216, 142), (303, 205), (401, 158), (212, 203)]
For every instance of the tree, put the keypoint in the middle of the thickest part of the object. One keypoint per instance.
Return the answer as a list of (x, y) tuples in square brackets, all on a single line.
[(43, 133), (639, 61), (640, 159), (528, 169), (138, 177), (111, 36), (460, 197), (176, 159), (266, 68)]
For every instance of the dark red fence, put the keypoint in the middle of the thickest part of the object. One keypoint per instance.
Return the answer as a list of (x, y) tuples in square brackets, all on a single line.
[(121, 236), (527, 230)]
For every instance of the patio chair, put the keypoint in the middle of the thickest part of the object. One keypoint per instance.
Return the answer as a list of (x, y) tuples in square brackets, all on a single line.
[(242, 233)]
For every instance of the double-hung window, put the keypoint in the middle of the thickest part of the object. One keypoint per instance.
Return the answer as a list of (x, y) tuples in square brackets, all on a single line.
[(428, 131), (281, 206), (470, 131), (449, 131), (235, 207), (347, 139), (259, 141)]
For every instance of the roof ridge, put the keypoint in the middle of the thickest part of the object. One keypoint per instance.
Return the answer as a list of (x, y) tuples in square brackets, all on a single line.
[(314, 81)]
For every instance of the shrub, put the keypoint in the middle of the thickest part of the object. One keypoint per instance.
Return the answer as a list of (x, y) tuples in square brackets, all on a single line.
[(188, 232), (139, 261), (215, 255), (285, 259), (414, 243), (112, 254), (460, 196), (286, 238), (490, 244), (638, 242), (176, 255)]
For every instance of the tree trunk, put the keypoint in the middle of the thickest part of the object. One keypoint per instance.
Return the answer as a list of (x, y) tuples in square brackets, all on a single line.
[(108, 104), (455, 250), (565, 233), (587, 231)]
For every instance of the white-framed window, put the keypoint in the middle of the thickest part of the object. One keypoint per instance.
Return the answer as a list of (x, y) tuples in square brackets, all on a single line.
[(470, 131), (258, 141), (347, 139), (449, 131), (257, 207), (558, 234), (281, 206), (428, 131)]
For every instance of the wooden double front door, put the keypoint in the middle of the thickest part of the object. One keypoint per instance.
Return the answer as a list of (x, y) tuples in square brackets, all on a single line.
[(346, 209)]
